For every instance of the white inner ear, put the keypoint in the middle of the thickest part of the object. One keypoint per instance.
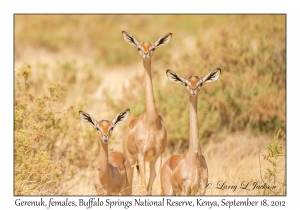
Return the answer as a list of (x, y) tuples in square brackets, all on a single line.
[(88, 119), (130, 39), (199, 83), (186, 83), (174, 77), (120, 118), (181, 80), (162, 40), (209, 78)]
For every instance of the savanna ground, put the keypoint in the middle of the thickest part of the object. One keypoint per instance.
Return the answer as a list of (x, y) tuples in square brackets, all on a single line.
[(67, 63)]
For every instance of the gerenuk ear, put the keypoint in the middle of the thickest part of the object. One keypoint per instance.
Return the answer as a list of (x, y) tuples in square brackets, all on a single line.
[(174, 77), (120, 117), (87, 118), (211, 77), (130, 39), (163, 40)]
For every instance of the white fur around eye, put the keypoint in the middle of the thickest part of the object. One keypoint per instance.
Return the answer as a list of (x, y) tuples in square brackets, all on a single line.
[(98, 130)]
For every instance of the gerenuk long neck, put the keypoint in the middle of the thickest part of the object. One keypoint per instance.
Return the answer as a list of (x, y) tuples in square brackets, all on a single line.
[(194, 143), (103, 167), (151, 110)]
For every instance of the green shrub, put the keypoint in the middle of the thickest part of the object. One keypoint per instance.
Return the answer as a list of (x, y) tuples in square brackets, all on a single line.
[(275, 172), (35, 124)]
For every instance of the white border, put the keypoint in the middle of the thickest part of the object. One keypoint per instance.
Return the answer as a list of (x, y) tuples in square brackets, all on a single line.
[(8, 8)]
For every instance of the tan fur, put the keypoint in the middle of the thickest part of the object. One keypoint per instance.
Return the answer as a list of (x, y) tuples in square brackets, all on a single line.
[(193, 82), (133, 122), (146, 47), (140, 141), (145, 138), (119, 173), (105, 127), (113, 174), (178, 177), (187, 173)]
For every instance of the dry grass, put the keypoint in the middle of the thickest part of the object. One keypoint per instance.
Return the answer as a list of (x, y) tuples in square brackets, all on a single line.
[(98, 70), (231, 161)]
